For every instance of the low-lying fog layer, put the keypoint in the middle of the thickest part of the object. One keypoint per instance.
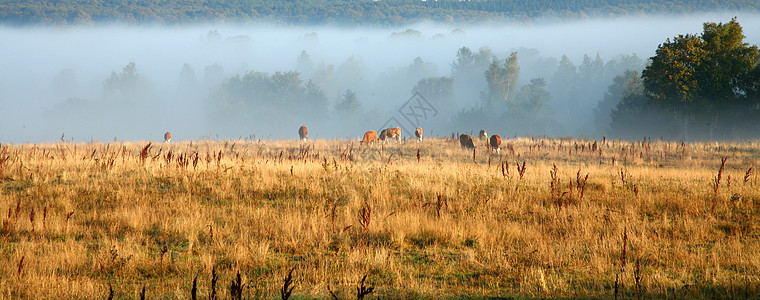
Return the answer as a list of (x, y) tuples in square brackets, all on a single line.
[(134, 83)]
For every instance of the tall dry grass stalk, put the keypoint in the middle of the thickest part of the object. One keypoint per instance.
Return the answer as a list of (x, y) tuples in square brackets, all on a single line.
[(362, 291), (194, 289), (212, 289), (236, 287), (747, 175), (287, 286), (716, 183), (5, 159), (143, 153)]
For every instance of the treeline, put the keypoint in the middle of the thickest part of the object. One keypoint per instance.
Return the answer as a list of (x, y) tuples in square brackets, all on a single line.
[(482, 90), (341, 12), (696, 87), (533, 95)]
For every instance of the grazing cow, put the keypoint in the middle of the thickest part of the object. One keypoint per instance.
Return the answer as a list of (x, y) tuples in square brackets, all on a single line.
[(369, 137), (483, 134), (495, 143), (302, 132), (465, 140), (167, 137), (390, 133), (382, 134), (418, 134)]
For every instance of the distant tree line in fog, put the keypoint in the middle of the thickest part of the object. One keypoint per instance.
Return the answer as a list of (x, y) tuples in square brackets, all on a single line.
[(481, 90), (341, 12), (695, 87)]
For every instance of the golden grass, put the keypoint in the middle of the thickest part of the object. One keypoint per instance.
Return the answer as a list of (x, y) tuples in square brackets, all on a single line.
[(129, 215)]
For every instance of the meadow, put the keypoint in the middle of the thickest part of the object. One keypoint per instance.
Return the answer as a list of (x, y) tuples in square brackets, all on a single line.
[(547, 217)]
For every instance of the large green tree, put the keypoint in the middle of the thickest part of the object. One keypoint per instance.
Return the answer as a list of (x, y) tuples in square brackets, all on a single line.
[(467, 71), (706, 81), (502, 83), (438, 90), (626, 111), (349, 105), (275, 98), (529, 113), (622, 86), (127, 87)]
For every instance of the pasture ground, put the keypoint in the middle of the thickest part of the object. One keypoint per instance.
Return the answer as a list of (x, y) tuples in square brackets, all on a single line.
[(545, 218)]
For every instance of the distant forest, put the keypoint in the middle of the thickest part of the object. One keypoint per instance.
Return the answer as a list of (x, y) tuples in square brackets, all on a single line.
[(341, 12)]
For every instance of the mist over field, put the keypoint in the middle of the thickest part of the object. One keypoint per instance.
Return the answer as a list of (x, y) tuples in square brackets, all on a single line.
[(134, 83)]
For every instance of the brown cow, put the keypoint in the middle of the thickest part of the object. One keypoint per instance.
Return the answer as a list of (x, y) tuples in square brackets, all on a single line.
[(302, 132), (495, 143), (387, 133), (465, 140), (369, 137), (483, 134), (167, 137), (418, 134)]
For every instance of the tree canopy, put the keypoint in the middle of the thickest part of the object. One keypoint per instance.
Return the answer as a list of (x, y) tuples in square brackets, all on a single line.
[(708, 80)]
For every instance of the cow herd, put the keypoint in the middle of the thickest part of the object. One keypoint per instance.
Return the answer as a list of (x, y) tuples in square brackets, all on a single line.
[(493, 143), (465, 140), (371, 137)]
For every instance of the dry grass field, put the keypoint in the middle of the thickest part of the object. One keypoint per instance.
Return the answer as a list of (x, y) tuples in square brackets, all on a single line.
[(545, 218)]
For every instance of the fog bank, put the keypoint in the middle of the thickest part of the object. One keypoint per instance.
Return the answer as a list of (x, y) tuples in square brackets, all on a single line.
[(55, 81)]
